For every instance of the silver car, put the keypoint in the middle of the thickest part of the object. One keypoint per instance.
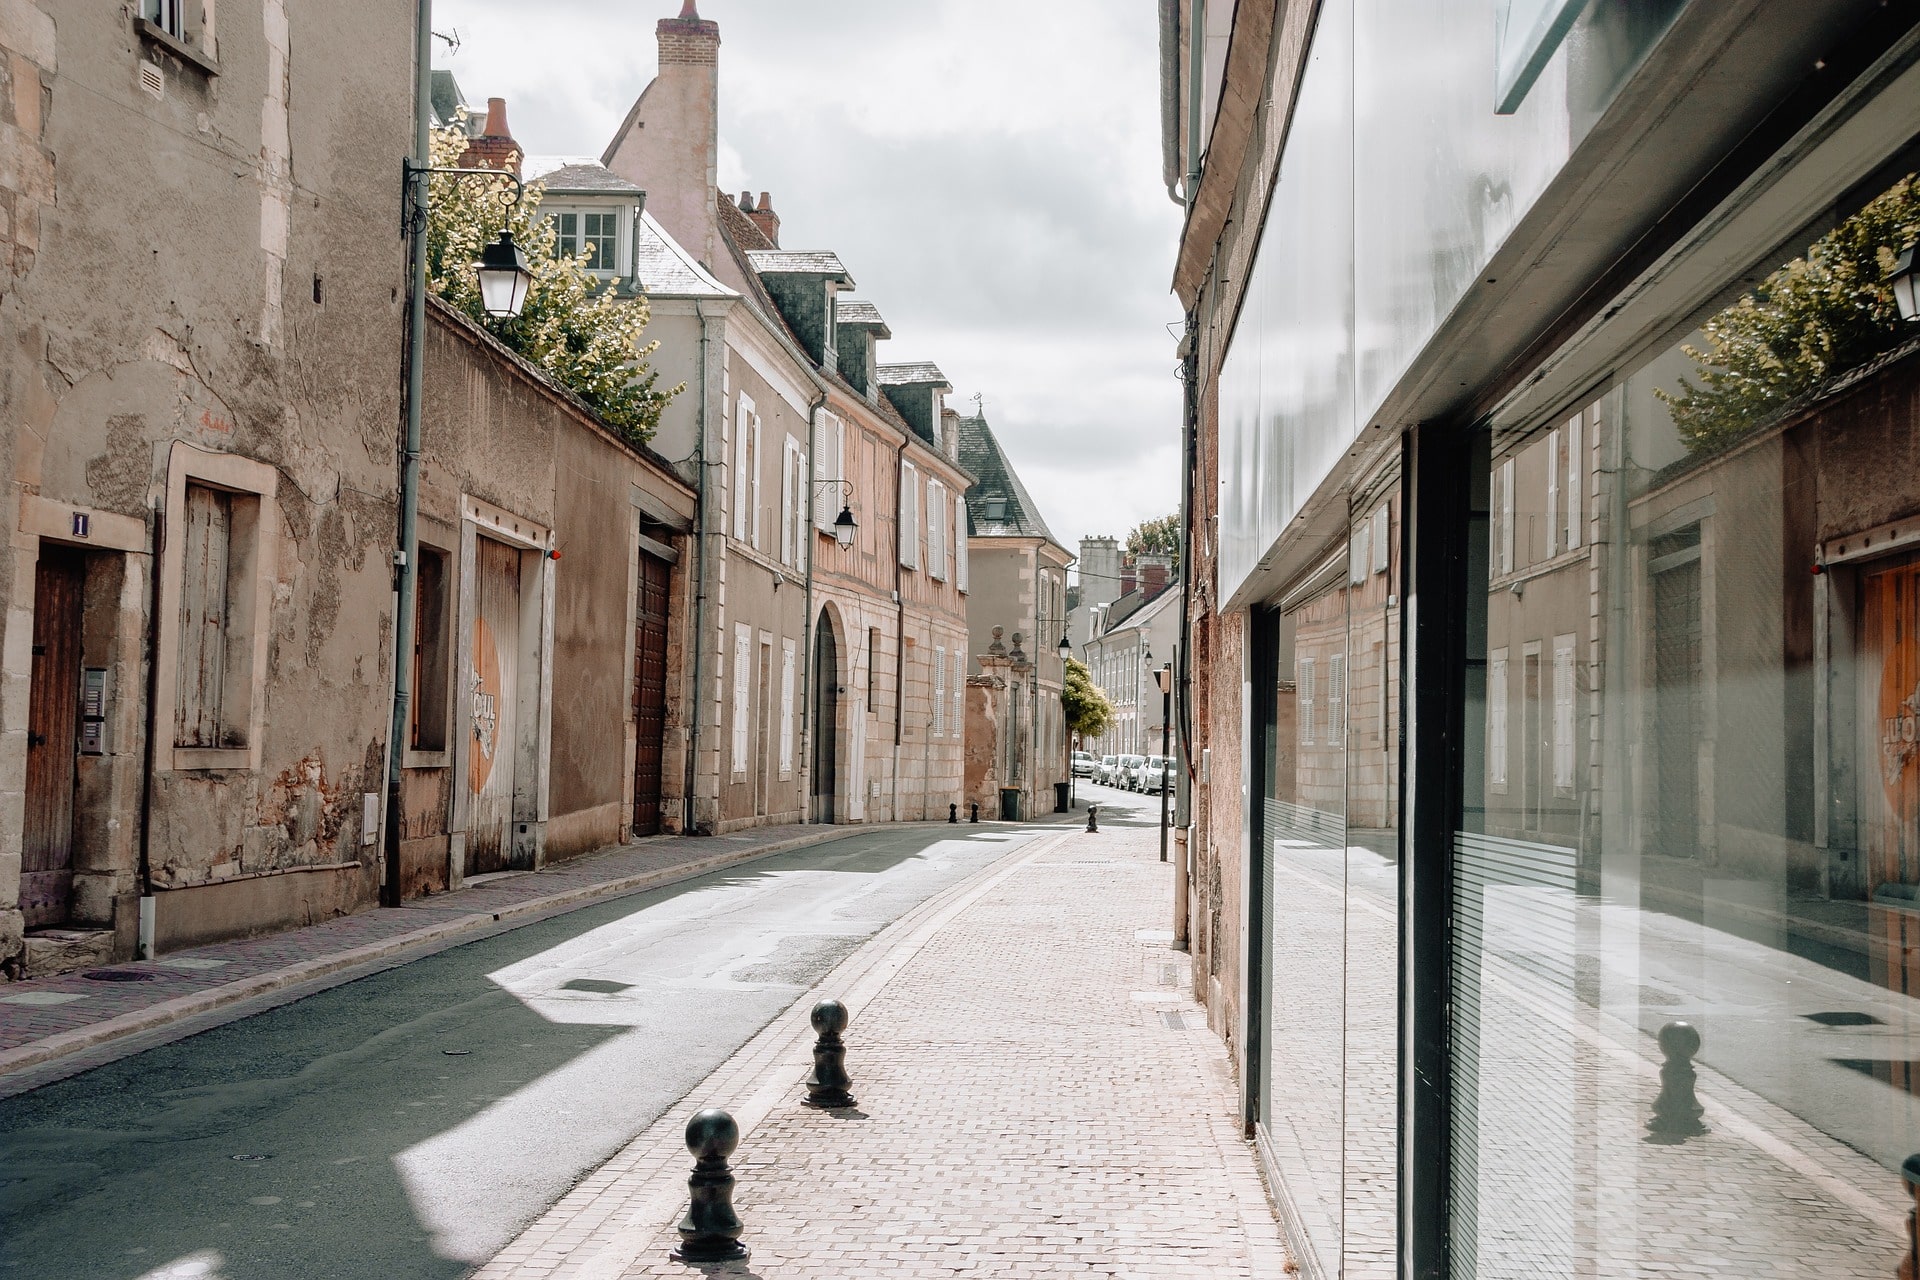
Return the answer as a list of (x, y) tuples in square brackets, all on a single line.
[(1123, 771)]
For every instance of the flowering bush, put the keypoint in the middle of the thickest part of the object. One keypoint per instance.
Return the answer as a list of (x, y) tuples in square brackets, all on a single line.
[(573, 326)]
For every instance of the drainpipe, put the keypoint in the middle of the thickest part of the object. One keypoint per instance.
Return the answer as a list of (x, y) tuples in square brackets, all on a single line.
[(701, 508), (1189, 459), (809, 543), (409, 552), (145, 942), (899, 620)]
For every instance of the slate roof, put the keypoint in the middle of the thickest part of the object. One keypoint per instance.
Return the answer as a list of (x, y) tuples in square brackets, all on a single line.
[(859, 312), (582, 175), (663, 267), (981, 455), (801, 262), (447, 101), (907, 375)]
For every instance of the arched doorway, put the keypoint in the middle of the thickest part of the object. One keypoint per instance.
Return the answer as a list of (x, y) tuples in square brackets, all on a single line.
[(826, 717)]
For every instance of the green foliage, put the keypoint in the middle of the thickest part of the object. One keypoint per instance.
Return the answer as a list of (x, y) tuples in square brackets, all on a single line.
[(573, 326), (1088, 712), (1157, 538), (1811, 320)]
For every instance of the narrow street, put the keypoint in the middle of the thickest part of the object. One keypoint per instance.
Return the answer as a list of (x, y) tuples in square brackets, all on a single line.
[(412, 1122)]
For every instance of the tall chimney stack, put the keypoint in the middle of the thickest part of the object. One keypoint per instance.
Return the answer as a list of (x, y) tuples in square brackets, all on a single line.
[(670, 141)]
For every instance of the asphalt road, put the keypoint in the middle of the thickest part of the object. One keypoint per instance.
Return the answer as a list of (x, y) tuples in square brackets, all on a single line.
[(409, 1123)]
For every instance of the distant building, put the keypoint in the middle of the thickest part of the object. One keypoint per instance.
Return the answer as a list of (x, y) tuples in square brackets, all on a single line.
[(1137, 634), (1019, 588)]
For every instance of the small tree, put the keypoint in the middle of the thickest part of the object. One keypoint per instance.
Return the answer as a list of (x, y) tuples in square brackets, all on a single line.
[(1157, 538), (1811, 320), (584, 336), (1088, 712)]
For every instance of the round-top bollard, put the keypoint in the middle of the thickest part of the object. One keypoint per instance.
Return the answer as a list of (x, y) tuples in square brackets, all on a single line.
[(953, 813), (711, 1230), (827, 1087), (973, 813), (1677, 1111), (1093, 817)]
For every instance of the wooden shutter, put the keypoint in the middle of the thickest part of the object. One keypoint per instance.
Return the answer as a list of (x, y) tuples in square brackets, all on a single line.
[(201, 685), (960, 539)]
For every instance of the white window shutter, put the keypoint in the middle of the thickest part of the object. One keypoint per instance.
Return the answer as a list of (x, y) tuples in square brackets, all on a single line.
[(754, 466), (1303, 701), (1576, 482), (936, 529), (1554, 469), (786, 706), (742, 430), (742, 657), (786, 503), (1563, 713), (909, 515), (1497, 718), (960, 539), (823, 491)]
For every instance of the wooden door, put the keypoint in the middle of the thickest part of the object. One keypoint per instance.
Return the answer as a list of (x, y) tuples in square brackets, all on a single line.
[(1889, 720), (1677, 699), (649, 693), (826, 716), (53, 717), (494, 686)]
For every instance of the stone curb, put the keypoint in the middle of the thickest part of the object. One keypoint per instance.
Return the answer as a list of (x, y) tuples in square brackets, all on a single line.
[(760, 1075), (63, 1043)]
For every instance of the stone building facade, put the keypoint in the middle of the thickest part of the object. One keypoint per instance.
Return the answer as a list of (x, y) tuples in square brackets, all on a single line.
[(193, 702), (864, 640), (1018, 581)]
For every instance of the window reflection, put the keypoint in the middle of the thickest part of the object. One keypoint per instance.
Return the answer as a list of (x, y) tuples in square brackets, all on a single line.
[(1699, 802)]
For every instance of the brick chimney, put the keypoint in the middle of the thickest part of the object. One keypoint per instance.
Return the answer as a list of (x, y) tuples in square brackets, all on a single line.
[(1155, 573), (495, 147), (1128, 580), (763, 216), (669, 143)]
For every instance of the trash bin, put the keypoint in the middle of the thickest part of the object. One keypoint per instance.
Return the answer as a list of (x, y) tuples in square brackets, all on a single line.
[(1060, 796), (1009, 804)]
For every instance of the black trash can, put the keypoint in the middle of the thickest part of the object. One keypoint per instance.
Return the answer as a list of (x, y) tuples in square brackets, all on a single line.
[(1060, 796), (1009, 804)]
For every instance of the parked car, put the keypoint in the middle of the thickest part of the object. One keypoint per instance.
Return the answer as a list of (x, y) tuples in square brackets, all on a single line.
[(1123, 771), (1155, 779), (1142, 776), (1105, 772), (1083, 764)]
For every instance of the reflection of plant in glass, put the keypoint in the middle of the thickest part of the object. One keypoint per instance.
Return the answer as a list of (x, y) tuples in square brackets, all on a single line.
[(1811, 320), (584, 336)]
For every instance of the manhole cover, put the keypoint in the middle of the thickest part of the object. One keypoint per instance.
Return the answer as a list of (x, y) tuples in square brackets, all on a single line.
[(117, 975)]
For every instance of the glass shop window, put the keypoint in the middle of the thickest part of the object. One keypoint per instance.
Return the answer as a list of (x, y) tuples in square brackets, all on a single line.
[(1693, 852)]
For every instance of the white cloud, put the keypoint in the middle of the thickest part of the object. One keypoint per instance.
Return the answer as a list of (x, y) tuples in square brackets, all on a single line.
[(989, 170)]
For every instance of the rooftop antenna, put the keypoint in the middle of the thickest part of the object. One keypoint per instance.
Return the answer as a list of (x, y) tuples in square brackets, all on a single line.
[(450, 38)]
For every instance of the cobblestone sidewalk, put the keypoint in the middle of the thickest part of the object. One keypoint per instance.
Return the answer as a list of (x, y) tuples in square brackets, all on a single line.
[(48, 1019), (1037, 1097)]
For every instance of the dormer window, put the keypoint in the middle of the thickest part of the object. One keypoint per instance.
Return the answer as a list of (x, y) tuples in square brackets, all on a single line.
[(996, 505), (597, 234)]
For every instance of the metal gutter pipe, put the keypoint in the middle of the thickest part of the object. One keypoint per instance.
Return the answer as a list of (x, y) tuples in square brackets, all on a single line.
[(407, 587), (810, 542), (701, 508)]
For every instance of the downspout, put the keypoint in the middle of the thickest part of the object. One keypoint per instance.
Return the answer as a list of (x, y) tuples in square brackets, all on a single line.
[(409, 552), (701, 508), (145, 943), (899, 619), (1189, 459), (809, 542)]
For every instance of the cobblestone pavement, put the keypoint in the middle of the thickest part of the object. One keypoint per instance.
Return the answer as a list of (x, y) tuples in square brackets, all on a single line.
[(1037, 1097), (49, 1018)]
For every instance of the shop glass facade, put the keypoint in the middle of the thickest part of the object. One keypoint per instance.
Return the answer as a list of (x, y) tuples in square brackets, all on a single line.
[(1691, 818)]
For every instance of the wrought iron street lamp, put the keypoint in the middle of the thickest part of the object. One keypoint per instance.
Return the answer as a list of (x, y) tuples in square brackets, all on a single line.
[(844, 525), (504, 277), (1906, 285)]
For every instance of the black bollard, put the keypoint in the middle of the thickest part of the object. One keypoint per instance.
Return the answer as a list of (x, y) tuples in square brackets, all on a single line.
[(973, 813), (953, 813), (711, 1230), (1093, 817), (827, 1088), (1677, 1112)]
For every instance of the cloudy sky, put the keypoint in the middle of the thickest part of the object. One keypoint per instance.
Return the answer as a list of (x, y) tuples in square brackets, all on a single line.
[(988, 170)]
